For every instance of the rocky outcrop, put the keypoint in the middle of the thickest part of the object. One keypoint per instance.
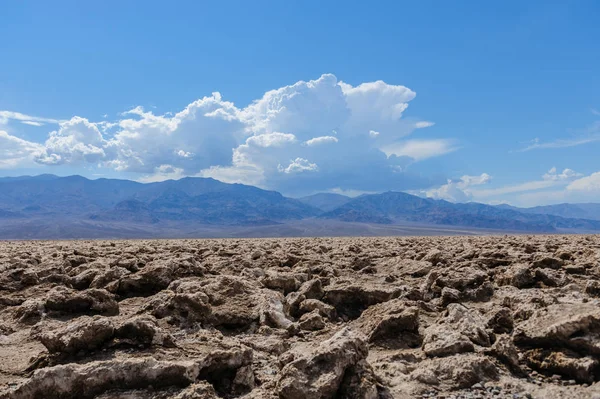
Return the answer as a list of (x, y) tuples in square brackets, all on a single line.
[(350, 300), (575, 326), (92, 379), (154, 277), (320, 374), (184, 309), (310, 290), (398, 317), (85, 334), (567, 363), (143, 331), (459, 330), (65, 301), (394, 324), (456, 372)]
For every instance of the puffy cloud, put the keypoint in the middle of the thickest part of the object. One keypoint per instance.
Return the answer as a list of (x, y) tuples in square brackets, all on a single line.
[(420, 149), (260, 156), (376, 105), (272, 142), (567, 174), (468, 181), (15, 151), (325, 105), (359, 120), (304, 109), (76, 141), (299, 165), (208, 128), (321, 140), (458, 190), (184, 154)]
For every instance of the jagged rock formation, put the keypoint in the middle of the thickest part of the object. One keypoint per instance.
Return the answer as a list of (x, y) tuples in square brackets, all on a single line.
[(323, 318)]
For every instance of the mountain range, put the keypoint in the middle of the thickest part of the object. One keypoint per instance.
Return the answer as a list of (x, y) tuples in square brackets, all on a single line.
[(48, 206), (580, 211)]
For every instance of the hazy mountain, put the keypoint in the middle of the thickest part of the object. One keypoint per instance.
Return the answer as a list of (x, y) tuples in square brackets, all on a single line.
[(4, 214), (38, 178), (582, 211), (72, 196), (130, 210), (325, 201), (69, 207), (395, 207), (229, 207), (200, 200)]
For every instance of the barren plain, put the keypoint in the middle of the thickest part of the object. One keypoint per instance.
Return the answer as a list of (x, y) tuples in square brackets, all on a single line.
[(404, 317)]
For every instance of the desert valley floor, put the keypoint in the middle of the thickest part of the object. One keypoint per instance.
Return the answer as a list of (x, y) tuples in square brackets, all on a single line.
[(407, 317)]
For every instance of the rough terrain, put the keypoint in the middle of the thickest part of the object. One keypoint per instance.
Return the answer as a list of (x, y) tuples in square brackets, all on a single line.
[(407, 317)]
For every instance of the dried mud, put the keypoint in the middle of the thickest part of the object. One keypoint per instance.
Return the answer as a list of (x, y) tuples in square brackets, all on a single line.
[(408, 317)]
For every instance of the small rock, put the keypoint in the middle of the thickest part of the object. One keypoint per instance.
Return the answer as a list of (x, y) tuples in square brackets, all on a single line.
[(319, 374), (81, 336), (311, 321)]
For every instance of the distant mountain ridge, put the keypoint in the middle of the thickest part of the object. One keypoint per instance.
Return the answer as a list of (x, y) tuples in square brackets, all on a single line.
[(394, 207), (581, 211), (325, 201), (203, 200), (120, 206)]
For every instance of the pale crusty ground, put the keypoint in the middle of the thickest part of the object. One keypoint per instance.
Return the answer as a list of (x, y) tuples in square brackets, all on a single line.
[(473, 317)]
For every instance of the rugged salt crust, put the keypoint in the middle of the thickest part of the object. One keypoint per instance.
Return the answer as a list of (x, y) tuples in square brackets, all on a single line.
[(446, 317)]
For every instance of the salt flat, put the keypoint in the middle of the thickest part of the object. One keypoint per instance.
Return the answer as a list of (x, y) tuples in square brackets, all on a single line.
[(392, 317)]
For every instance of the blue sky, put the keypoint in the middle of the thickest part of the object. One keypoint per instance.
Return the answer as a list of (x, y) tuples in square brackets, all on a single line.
[(466, 101)]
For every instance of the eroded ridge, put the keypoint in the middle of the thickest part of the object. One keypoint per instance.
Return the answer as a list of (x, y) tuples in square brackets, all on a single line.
[(408, 317)]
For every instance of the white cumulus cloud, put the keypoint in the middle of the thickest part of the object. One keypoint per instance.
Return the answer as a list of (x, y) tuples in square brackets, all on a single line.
[(321, 140), (458, 190), (299, 165), (209, 128), (76, 141), (271, 140), (376, 105), (184, 154), (566, 174), (353, 137)]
